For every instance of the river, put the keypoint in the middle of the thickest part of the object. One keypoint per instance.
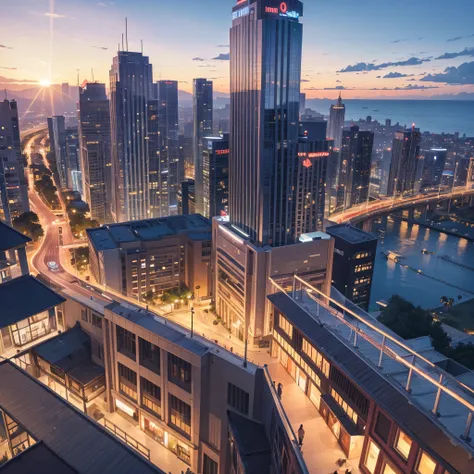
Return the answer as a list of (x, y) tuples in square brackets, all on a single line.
[(409, 240)]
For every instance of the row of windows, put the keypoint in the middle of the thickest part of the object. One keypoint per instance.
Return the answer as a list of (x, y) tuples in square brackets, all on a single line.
[(360, 255), (286, 326), (180, 415), (343, 404), (238, 398), (363, 268)]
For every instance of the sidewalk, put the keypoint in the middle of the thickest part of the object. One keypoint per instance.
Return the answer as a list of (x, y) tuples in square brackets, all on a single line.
[(321, 451)]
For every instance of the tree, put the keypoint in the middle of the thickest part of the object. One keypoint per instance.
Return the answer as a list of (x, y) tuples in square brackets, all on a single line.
[(149, 297), (443, 300), (464, 354), (411, 322), (80, 258), (28, 224)]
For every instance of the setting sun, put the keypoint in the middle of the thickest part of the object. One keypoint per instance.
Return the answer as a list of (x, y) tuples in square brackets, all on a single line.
[(45, 83)]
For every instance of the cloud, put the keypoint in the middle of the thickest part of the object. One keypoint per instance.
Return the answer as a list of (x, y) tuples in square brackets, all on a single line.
[(54, 15), (398, 41), (101, 47), (205, 65), (395, 75), (305, 80), (337, 88), (457, 38), (5, 47), (338, 81), (198, 59), (222, 57), (463, 74), (10, 80), (359, 67), (464, 52), (410, 87), (9, 68), (223, 45)]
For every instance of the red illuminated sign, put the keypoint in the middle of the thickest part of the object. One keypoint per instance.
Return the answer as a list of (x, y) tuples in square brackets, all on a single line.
[(271, 10), (222, 152), (283, 7), (315, 154), (307, 163)]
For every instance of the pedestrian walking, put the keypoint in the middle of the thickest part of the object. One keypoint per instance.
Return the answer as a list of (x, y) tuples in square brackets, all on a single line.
[(301, 434), (280, 390)]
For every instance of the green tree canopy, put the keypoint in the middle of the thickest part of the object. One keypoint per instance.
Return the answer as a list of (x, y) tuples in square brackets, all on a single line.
[(28, 224)]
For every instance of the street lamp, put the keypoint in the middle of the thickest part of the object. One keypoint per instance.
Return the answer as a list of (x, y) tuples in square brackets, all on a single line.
[(192, 321)]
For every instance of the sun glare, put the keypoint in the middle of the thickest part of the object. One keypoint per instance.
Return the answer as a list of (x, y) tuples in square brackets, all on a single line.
[(45, 83)]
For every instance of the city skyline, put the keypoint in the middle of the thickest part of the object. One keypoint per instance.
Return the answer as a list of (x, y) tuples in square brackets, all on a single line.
[(408, 61)]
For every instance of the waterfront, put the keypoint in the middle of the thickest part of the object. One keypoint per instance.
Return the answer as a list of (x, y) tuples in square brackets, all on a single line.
[(409, 240)]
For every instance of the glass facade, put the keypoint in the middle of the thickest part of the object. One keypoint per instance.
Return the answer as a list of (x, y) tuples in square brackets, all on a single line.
[(265, 73)]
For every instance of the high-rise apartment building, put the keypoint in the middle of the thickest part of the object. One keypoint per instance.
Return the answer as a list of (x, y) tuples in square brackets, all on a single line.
[(57, 145), (355, 167), (166, 92), (131, 83), (94, 144), (215, 176), (407, 165), (265, 71), (203, 122), (337, 115), (433, 166), (13, 185), (72, 158), (187, 198)]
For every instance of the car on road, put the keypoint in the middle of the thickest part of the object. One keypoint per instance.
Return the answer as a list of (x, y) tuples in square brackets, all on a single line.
[(53, 266)]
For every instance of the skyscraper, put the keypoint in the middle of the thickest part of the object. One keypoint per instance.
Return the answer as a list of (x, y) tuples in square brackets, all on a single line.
[(13, 186), (57, 145), (72, 159), (407, 165), (215, 176), (202, 111), (94, 144), (265, 72), (355, 166), (131, 81), (167, 94), (337, 115), (433, 166)]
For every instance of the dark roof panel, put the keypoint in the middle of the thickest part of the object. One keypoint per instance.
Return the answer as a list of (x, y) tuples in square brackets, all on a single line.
[(24, 297), (10, 238), (67, 432)]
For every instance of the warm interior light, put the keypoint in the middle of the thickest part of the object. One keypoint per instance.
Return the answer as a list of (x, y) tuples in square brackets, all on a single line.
[(45, 83)]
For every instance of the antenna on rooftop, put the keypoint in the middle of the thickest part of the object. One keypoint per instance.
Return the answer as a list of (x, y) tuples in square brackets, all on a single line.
[(92, 74), (141, 42), (6, 94), (122, 43), (126, 33)]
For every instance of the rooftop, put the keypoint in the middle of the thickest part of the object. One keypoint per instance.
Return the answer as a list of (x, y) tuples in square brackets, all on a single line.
[(78, 440), (333, 334), (16, 307), (112, 236), (71, 352), (10, 238), (349, 233)]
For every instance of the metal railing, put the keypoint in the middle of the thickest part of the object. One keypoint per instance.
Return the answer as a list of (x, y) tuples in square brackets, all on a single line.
[(126, 438), (359, 328)]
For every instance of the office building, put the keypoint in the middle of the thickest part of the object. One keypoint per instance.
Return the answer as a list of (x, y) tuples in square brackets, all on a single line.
[(433, 166), (73, 160), (264, 130), (186, 155), (361, 379), (303, 104), (407, 164), (215, 176), (13, 185), (310, 195), (23, 321), (131, 81), (57, 145), (337, 115), (166, 93), (155, 255), (241, 271), (354, 262), (313, 128), (462, 169), (355, 167), (94, 145), (203, 127), (187, 198)]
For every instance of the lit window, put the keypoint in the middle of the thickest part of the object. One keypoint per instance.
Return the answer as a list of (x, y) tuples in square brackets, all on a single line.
[(387, 469), (426, 465), (402, 444), (372, 457)]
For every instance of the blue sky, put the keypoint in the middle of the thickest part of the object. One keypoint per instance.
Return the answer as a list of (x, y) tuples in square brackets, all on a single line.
[(376, 38)]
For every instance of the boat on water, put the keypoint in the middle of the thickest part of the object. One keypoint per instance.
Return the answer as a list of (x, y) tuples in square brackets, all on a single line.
[(427, 252), (394, 256)]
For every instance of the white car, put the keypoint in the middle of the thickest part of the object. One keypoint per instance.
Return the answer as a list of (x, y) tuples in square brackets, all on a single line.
[(53, 266)]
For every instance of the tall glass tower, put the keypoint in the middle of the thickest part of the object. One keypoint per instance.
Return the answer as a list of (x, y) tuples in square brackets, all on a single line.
[(265, 72), (202, 115), (131, 83)]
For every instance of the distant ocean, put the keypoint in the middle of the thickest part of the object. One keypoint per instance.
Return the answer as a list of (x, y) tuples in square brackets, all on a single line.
[(435, 116)]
